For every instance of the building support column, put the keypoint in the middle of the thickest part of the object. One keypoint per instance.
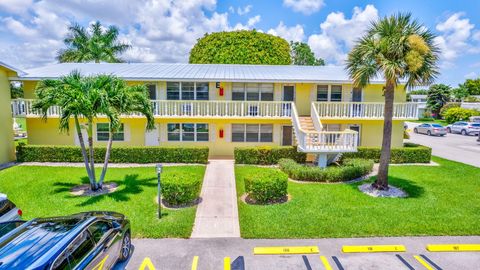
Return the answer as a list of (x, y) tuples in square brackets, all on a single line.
[(322, 160)]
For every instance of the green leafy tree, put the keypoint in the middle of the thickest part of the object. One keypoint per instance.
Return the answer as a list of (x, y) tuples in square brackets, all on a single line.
[(240, 47), (438, 95), (95, 44), (396, 48), (86, 99), (472, 86), (460, 93), (302, 55), (459, 114)]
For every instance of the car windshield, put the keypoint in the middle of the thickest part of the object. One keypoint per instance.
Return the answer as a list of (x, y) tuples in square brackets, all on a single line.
[(437, 125), (6, 227)]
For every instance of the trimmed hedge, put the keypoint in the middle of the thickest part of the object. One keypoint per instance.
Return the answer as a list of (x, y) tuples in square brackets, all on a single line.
[(181, 188), (349, 169), (410, 153), (266, 187), (267, 155), (147, 154)]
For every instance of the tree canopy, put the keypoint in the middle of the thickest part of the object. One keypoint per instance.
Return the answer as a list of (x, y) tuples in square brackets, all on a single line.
[(302, 55), (240, 47), (94, 44), (438, 95)]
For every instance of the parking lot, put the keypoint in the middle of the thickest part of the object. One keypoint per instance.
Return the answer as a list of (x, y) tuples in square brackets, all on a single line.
[(212, 254), (456, 147)]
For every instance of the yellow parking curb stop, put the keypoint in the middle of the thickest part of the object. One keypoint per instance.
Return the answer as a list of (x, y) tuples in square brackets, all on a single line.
[(453, 247), (285, 250), (376, 248)]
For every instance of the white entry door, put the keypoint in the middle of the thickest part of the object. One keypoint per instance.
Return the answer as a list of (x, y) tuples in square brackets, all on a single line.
[(152, 136)]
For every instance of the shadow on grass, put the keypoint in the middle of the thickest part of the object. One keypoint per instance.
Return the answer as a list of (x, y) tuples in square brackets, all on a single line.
[(413, 190), (130, 185)]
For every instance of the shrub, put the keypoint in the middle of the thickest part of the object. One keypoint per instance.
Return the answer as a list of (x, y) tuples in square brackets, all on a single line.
[(447, 106), (147, 154), (410, 153), (459, 114), (266, 155), (349, 169), (267, 186), (181, 188)]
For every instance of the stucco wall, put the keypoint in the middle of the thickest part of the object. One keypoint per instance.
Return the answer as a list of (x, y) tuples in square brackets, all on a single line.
[(7, 150)]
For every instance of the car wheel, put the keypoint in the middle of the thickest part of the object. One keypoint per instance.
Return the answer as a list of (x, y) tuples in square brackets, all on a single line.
[(415, 130), (449, 130), (429, 133), (126, 247), (464, 132)]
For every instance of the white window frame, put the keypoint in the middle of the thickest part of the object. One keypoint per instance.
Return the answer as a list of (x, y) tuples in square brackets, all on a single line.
[(259, 91), (195, 132), (180, 92), (258, 135), (329, 92), (108, 132)]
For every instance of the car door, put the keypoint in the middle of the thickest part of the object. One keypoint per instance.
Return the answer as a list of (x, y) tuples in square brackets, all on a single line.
[(77, 255), (108, 244), (422, 128), (457, 127)]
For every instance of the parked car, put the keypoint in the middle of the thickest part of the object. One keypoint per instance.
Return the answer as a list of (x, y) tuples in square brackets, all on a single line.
[(8, 210), (464, 128), (81, 241), (431, 129)]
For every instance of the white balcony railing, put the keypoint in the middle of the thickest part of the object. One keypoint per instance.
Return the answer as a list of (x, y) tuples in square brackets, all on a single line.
[(364, 110), (323, 141), (190, 108), (222, 108)]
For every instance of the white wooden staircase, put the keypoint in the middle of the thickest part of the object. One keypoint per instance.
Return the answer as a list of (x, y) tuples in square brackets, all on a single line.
[(312, 138)]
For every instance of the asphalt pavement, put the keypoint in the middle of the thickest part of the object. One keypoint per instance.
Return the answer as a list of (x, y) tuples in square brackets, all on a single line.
[(455, 147), (179, 254)]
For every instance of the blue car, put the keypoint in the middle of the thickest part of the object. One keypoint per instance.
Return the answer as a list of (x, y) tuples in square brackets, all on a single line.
[(82, 241)]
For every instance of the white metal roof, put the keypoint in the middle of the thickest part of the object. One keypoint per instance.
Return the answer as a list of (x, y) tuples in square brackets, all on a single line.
[(196, 72), (18, 71)]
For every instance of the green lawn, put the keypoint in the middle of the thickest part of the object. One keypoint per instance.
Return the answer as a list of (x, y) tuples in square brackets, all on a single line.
[(44, 191), (22, 122), (443, 200)]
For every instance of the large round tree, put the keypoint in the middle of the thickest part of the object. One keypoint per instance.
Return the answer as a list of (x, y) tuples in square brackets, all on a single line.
[(241, 47), (397, 49)]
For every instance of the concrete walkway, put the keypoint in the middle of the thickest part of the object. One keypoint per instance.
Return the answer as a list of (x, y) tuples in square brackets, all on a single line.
[(217, 214)]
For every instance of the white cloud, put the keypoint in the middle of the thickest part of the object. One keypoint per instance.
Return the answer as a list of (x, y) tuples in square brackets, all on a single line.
[(306, 7), (244, 10), (158, 30), (471, 75), (338, 34), (293, 33), (456, 33), (15, 6)]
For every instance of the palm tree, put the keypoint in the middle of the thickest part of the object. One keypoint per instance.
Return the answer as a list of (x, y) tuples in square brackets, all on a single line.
[(88, 98), (94, 44), (399, 49)]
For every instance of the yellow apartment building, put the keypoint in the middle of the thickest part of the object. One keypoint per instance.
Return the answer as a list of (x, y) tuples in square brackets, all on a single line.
[(224, 106)]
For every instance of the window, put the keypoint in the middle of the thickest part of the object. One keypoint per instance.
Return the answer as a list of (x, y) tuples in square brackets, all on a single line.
[(152, 91), (252, 133), (98, 230), (103, 132), (322, 92), (252, 91), (187, 132), (187, 90), (80, 248), (336, 93)]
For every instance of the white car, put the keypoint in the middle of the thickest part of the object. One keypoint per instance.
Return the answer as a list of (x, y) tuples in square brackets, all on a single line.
[(8, 210), (464, 128)]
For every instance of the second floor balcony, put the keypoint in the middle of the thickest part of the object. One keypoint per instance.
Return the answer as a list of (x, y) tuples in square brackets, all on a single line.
[(248, 109), (364, 110)]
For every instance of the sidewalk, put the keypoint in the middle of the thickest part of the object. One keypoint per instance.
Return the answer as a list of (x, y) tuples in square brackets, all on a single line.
[(217, 214)]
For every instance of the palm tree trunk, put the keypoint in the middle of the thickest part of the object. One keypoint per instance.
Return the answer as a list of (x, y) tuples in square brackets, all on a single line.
[(84, 151), (382, 178), (90, 149), (107, 157)]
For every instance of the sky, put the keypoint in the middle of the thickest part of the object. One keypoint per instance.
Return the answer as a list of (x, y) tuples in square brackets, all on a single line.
[(32, 31)]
